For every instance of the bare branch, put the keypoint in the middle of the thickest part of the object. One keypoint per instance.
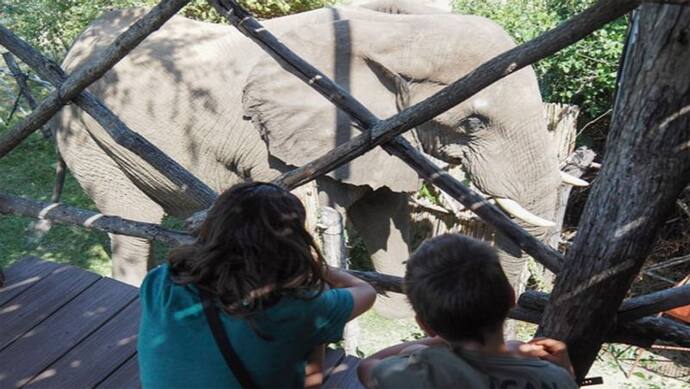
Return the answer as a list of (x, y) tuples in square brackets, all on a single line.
[(631, 309), (83, 76), (24, 90), (13, 205), (121, 134)]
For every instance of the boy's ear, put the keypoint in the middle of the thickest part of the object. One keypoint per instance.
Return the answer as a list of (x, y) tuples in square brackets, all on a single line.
[(425, 327)]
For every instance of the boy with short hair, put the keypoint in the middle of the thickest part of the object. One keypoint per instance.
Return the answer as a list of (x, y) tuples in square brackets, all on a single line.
[(461, 298)]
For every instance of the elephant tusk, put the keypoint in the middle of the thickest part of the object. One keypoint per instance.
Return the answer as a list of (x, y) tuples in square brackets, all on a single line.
[(572, 180), (516, 210)]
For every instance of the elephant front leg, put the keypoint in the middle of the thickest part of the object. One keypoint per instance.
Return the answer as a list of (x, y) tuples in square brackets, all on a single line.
[(131, 258), (382, 219)]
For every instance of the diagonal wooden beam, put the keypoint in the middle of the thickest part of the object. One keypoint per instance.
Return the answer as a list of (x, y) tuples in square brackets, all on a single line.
[(381, 131), (631, 309), (116, 129), (85, 75), (63, 214), (637, 332), (642, 332), (378, 132)]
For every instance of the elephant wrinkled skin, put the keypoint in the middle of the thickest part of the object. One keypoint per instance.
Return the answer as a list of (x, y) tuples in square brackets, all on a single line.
[(213, 101)]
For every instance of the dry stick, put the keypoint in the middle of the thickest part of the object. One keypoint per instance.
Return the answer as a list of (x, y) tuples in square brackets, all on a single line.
[(60, 174), (24, 90), (69, 215), (653, 303), (119, 131), (60, 166), (670, 262), (386, 130), (641, 332), (631, 309), (70, 88), (86, 74)]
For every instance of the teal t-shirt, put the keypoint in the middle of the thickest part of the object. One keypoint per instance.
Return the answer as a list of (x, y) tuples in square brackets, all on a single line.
[(176, 348)]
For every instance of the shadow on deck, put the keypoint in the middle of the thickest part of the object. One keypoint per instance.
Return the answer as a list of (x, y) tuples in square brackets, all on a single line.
[(64, 327)]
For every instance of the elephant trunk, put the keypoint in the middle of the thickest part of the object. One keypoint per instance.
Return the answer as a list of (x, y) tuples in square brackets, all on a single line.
[(541, 204)]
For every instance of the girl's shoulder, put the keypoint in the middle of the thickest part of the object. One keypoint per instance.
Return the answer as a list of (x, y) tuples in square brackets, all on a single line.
[(159, 293)]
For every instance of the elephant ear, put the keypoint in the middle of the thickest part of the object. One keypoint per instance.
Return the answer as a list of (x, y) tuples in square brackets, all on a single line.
[(299, 125)]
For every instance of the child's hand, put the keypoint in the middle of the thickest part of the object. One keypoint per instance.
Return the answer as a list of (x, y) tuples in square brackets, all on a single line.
[(554, 351), (412, 348), (523, 349)]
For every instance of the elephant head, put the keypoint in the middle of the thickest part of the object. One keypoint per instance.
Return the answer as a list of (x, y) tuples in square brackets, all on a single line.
[(390, 62)]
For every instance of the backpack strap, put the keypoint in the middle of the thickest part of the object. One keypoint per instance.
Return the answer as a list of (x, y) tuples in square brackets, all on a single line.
[(223, 342)]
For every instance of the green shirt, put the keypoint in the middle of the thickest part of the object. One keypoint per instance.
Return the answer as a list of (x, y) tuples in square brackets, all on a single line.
[(176, 347), (439, 367)]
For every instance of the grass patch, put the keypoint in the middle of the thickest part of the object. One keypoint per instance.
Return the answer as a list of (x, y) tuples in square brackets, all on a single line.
[(29, 171)]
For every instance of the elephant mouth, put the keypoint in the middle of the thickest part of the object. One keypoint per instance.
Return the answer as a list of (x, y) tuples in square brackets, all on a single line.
[(512, 207), (509, 206)]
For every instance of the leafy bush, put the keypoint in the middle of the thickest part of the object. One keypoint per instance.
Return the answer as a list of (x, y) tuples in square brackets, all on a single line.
[(52, 25), (583, 73)]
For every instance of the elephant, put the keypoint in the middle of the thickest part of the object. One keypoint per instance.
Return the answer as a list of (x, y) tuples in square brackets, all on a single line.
[(222, 108)]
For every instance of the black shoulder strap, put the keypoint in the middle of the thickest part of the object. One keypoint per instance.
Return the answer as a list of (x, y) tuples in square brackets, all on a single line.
[(221, 337)]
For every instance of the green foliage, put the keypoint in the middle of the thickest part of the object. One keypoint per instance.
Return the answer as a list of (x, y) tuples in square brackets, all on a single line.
[(275, 8), (429, 192), (262, 9), (52, 25), (583, 73)]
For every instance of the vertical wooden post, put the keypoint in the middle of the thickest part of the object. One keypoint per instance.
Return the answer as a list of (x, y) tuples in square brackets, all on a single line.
[(561, 120), (309, 196), (335, 252), (646, 167)]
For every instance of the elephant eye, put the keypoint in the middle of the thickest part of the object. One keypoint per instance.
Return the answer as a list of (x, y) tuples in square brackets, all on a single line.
[(473, 123)]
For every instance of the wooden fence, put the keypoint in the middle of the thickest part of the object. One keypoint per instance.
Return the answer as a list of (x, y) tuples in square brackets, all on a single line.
[(375, 132)]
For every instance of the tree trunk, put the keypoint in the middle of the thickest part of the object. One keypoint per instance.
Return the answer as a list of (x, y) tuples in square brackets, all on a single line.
[(646, 167)]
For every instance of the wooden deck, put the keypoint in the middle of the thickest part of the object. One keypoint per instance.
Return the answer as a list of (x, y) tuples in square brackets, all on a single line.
[(64, 327)]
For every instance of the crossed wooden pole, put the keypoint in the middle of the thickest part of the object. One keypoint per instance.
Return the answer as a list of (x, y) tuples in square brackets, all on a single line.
[(375, 132)]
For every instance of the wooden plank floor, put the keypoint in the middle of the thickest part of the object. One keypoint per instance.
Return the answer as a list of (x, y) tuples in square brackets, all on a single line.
[(64, 327)]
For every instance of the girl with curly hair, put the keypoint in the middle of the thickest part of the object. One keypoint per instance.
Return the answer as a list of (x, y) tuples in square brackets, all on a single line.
[(255, 267)]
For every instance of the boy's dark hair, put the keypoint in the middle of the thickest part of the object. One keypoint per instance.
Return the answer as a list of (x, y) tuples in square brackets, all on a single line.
[(252, 249), (457, 287)]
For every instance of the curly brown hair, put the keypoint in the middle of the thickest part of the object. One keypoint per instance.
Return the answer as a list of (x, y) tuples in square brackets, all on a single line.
[(252, 249)]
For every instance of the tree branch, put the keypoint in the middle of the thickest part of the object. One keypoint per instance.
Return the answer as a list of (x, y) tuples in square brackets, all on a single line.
[(631, 309), (13, 205), (23, 86), (85, 75), (72, 86), (382, 131), (641, 332)]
